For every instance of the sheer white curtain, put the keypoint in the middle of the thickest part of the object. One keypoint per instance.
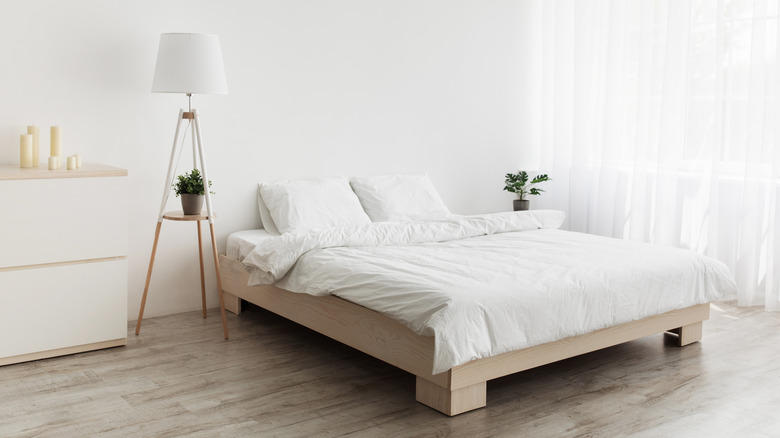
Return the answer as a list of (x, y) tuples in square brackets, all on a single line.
[(658, 121)]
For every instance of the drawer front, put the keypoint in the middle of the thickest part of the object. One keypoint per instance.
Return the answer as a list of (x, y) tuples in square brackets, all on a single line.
[(57, 220), (62, 306)]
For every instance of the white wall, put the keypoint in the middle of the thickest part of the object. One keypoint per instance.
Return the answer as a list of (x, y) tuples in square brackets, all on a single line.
[(342, 87)]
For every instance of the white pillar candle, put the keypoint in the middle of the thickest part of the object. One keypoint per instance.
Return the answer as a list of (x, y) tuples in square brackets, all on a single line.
[(78, 161), (33, 130), (72, 162), (56, 141), (25, 150), (53, 161)]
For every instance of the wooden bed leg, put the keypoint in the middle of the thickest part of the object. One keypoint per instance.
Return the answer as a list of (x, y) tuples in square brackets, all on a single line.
[(688, 334), (451, 402), (232, 303)]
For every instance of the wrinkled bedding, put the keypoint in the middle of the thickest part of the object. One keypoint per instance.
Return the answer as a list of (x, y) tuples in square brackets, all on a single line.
[(484, 285)]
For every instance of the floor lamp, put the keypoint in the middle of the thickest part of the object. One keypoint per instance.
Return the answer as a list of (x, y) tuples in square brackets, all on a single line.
[(191, 64)]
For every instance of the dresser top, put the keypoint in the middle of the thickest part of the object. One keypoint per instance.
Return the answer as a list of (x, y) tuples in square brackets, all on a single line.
[(87, 170)]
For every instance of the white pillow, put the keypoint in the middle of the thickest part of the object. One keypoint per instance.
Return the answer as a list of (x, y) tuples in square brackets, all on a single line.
[(265, 215), (313, 204), (399, 198)]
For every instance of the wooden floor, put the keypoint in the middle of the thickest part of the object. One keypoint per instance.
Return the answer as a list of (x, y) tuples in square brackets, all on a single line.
[(275, 378)]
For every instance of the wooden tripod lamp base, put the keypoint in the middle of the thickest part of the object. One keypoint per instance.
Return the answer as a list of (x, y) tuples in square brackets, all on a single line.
[(198, 158)]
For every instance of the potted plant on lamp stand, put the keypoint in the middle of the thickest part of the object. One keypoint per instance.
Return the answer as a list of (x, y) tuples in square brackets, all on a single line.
[(190, 187), (518, 183)]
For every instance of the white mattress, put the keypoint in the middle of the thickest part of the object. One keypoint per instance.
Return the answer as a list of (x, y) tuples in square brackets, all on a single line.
[(481, 288), (241, 243)]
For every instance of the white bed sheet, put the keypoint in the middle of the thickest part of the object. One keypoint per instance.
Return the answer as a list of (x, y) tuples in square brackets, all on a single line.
[(241, 243), (485, 295)]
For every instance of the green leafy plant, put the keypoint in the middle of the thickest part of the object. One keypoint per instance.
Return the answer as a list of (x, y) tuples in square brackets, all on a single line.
[(518, 183), (190, 183)]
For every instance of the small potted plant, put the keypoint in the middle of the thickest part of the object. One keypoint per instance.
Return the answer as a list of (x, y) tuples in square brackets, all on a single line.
[(518, 183), (190, 187)]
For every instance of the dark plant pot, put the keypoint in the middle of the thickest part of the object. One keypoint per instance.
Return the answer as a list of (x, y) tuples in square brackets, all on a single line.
[(191, 203), (520, 205)]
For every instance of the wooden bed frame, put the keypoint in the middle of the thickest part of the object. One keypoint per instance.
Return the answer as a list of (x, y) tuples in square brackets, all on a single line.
[(462, 388)]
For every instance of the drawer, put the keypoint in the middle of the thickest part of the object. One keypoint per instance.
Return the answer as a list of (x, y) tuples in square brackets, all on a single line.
[(57, 220), (62, 306)]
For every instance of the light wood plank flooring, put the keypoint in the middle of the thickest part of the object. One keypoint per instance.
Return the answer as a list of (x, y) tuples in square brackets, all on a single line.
[(275, 378)]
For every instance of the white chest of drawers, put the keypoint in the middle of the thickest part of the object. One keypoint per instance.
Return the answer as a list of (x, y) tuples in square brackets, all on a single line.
[(63, 261)]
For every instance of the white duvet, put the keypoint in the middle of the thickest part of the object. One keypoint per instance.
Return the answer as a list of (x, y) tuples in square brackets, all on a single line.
[(484, 285)]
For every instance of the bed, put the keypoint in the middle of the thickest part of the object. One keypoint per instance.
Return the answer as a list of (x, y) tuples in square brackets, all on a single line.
[(526, 293)]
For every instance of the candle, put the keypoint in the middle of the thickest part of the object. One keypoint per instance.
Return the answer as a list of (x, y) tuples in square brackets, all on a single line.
[(25, 150), (72, 162), (56, 141), (78, 161), (53, 163), (33, 130)]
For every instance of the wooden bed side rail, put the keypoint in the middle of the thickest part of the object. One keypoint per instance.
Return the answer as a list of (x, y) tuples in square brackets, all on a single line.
[(463, 388), (686, 322), (346, 322)]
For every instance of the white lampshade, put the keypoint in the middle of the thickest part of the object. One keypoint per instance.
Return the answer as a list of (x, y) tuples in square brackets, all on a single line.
[(189, 63)]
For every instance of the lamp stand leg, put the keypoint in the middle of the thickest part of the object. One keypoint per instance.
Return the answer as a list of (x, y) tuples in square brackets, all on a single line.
[(148, 278), (203, 170), (202, 274), (209, 209), (166, 192), (219, 281), (171, 167), (194, 147)]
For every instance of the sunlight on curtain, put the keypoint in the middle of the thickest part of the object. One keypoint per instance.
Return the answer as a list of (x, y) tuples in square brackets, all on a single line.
[(658, 121)]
